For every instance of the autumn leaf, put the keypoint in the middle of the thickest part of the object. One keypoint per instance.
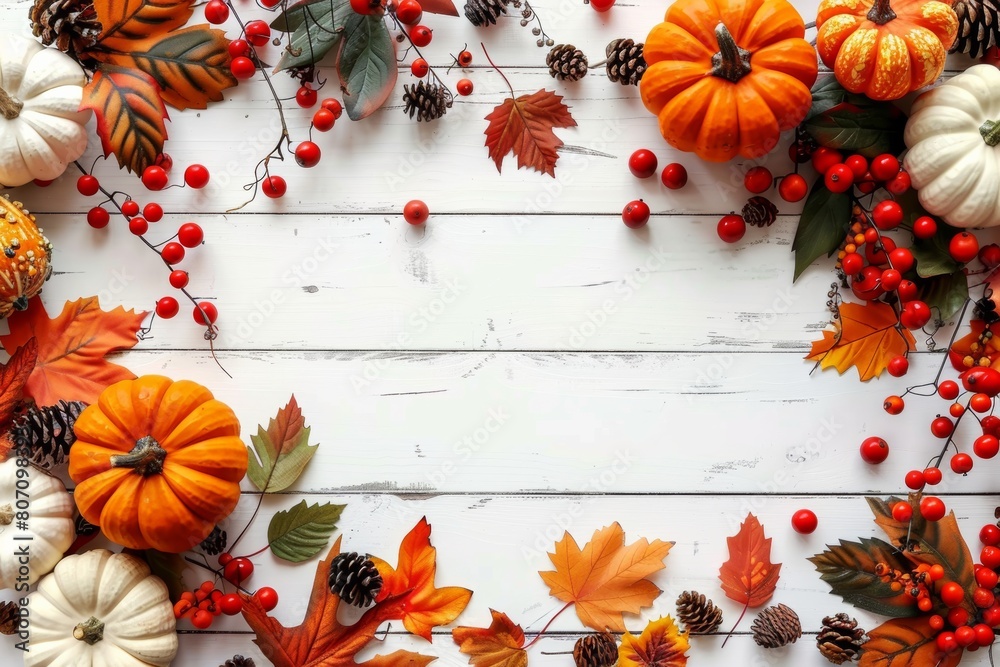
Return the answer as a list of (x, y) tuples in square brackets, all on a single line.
[(523, 126), (299, 533), (446, 7), (129, 115), (123, 21), (500, 645), (281, 453), (865, 336), (749, 577), (905, 642), (849, 569), (412, 580), (606, 577), (13, 375), (71, 348), (661, 644)]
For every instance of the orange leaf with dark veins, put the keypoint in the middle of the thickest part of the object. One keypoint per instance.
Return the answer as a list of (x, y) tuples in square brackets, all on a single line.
[(865, 336), (523, 126), (126, 20), (500, 645), (905, 642), (13, 375), (749, 577)]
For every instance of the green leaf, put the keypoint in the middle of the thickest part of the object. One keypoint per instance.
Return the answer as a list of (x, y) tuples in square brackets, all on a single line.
[(367, 65), (299, 533), (871, 129), (822, 226), (317, 26), (827, 93), (168, 567), (947, 292), (281, 453), (849, 568)]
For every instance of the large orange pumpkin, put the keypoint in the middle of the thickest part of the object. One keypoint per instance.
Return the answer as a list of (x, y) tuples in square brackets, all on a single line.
[(157, 463), (726, 77), (885, 51)]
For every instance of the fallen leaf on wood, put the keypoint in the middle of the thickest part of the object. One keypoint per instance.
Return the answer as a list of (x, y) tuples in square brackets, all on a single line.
[(606, 577), (500, 645), (849, 569), (300, 532), (749, 577), (446, 7), (524, 127), (661, 644), (905, 642), (281, 453), (123, 21), (865, 336), (13, 375)]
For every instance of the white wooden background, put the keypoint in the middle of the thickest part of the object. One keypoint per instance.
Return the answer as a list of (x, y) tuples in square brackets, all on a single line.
[(653, 378)]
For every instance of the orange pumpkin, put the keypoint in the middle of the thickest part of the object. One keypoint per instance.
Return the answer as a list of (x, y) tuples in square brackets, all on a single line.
[(885, 51), (157, 463), (25, 257), (726, 77)]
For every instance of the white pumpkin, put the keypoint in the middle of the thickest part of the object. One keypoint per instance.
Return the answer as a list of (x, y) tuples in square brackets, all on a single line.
[(49, 517), (42, 128), (953, 136), (101, 609)]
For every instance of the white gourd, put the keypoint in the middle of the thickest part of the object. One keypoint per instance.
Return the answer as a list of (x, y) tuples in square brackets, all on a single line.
[(101, 609), (50, 523), (953, 135), (42, 129)]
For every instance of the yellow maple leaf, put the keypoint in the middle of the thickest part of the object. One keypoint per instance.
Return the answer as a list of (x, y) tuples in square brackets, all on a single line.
[(500, 645), (866, 336), (661, 644)]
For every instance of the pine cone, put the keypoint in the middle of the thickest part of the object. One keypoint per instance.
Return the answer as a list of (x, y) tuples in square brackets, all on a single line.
[(84, 527), (47, 433), (485, 12), (215, 543), (978, 26), (776, 626), (427, 100), (10, 618), (355, 579), (595, 651), (239, 661), (760, 212), (566, 62), (840, 639), (625, 64), (699, 615), (72, 25)]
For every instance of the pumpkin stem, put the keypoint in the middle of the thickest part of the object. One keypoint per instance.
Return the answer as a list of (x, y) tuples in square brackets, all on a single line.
[(731, 62), (146, 458), (90, 631), (881, 13), (10, 107), (991, 132)]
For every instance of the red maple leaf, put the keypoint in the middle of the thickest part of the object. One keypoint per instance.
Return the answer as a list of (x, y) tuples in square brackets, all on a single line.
[(524, 127)]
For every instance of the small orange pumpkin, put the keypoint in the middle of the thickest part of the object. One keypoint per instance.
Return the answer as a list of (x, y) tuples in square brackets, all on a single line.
[(25, 256), (157, 463), (726, 77), (885, 51)]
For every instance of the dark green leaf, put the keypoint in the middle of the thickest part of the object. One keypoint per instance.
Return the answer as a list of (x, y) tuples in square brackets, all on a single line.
[(932, 256), (870, 130), (168, 567), (947, 292), (317, 26), (822, 226), (367, 65), (849, 568), (828, 93), (299, 533)]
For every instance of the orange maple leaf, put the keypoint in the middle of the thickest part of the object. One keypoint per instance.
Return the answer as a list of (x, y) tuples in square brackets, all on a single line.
[(13, 375), (866, 336), (500, 645), (607, 577), (749, 577), (424, 607), (71, 348), (661, 644), (320, 640), (523, 126)]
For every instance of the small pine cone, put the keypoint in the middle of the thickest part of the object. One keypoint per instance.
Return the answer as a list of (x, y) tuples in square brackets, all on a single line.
[(10, 618), (355, 579), (72, 25), (760, 212), (427, 100), (978, 26), (776, 626), (699, 615), (46, 434), (840, 639), (84, 527), (625, 64), (485, 12), (239, 661), (595, 651), (215, 543), (566, 62)]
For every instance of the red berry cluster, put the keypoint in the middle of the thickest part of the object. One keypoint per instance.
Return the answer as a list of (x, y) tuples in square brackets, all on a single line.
[(643, 164), (205, 603)]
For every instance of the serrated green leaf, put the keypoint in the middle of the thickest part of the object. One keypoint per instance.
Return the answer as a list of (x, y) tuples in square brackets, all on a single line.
[(849, 569), (948, 292), (299, 533), (317, 27), (869, 130), (280, 453), (367, 65), (822, 226)]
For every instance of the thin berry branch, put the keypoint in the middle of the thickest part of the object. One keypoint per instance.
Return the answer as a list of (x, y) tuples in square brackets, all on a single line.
[(416, 49)]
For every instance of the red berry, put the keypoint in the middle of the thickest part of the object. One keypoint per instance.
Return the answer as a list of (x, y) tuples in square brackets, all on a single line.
[(231, 604), (333, 106), (933, 476), (838, 178), (207, 310), (181, 607), (866, 184), (914, 480), (965, 636), (172, 253), (416, 212), (986, 577), (178, 279), (867, 284), (958, 617), (952, 593), (138, 225), (190, 235), (635, 214), (793, 188), (642, 163), (225, 558), (196, 176), (984, 634), (872, 236), (154, 178), (897, 365), (242, 68), (991, 616), (884, 167), (824, 158), (893, 405), (990, 557), (98, 217), (167, 307), (323, 120), (202, 619), (409, 12), (258, 32), (852, 263), (901, 259), (421, 35), (674, 176), (961, 463), (464, 58), (858, 164), (877, 252), (804, 521), (899, 184), (88, 185), (419, 68), (216, 12), (273, 187), (902, 512), (983, 597), (948, 390), (41, 183), (164, 161), (936, 622), (874, 450), (267, 597), (989, 255), (239, 47), (130, 207), (942, 427), (464, 87), (986, 446), (364, 7), (758, 180), (907, 291), (932, 508), (985, 380), (602, 5), (307, 154), (946, 642), (887, 215), (990, 534), (915, 314), (305, 97), (980, 403), (924, 227), (890, 281), (731, 228), (963, 247), (991, 425)]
